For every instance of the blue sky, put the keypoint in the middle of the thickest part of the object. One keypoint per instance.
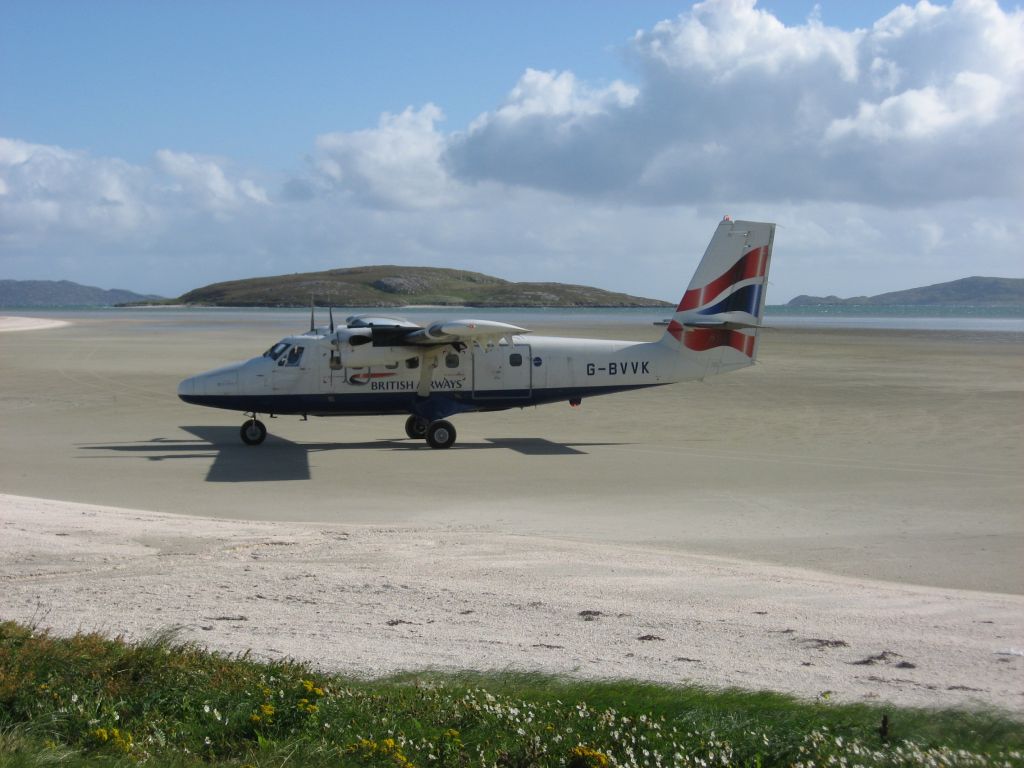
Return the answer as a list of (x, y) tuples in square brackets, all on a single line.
[(256, 81), (159, 146)]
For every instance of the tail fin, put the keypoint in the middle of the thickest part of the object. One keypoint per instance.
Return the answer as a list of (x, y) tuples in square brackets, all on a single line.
[(723, 306)]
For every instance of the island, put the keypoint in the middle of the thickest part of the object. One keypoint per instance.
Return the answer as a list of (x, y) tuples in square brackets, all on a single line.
[(969, 291), (397, 286), (64, 293)]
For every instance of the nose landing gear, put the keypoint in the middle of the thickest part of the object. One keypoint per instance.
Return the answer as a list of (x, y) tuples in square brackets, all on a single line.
[(253, 432)]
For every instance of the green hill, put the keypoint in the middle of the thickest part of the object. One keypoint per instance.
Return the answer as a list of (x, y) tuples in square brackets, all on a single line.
[(392, 286), (969, 291)]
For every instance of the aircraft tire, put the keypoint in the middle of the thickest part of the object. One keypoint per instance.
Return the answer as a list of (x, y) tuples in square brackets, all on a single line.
[(416, 428), (441, 434), (253, 432)]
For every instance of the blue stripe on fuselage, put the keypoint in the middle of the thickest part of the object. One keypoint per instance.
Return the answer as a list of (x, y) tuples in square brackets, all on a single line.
[(385, 403)]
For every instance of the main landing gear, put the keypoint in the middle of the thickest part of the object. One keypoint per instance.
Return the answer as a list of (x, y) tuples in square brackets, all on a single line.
[(416, 428), (439, 434), (253, 432)]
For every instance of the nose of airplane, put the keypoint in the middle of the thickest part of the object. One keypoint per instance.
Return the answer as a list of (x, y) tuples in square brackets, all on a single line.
[(219, 382)]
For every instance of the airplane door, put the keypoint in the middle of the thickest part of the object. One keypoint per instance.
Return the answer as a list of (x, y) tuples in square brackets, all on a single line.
[(290, 369), (502, 371)]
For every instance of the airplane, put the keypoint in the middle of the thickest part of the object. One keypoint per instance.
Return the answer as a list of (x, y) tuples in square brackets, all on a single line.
[(380, 365)]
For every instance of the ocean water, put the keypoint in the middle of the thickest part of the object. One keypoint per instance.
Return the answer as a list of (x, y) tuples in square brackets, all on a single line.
[(977, 319), (900, 317)]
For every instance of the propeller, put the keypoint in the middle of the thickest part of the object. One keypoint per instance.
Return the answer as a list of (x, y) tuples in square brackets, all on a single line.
[(330, 314), (312, 315)]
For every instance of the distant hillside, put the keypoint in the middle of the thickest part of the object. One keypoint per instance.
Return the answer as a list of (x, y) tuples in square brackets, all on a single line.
[(63, 293), (391, 286), (970, 291)]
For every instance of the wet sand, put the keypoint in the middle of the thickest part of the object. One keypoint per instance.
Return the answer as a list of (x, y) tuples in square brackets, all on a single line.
[(884, 456)]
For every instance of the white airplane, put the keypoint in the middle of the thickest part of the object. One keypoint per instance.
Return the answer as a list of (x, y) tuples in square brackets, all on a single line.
[(379, 365)]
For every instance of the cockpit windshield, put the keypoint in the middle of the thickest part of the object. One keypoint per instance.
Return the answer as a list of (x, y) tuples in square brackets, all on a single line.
[(277, 350)]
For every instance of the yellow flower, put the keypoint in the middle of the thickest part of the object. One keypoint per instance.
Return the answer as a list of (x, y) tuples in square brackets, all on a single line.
[(585, 757), (267, 709)]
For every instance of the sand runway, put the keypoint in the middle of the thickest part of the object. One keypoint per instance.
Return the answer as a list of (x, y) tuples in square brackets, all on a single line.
[(861, 457)]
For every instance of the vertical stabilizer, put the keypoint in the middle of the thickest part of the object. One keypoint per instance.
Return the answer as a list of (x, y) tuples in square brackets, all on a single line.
[(718, 318)]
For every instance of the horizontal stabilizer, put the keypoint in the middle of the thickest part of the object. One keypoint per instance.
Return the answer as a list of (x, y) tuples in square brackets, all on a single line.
[(725, 325), (733, 320)]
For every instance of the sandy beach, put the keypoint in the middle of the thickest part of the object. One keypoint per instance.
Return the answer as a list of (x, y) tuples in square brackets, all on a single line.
[(15, 323), (856, 497)]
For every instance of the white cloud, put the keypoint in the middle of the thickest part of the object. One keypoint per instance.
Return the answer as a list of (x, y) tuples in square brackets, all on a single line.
[(548, 133), (397, 164), (734, 105), (557, 94), (972, 100), (49, 188), (206, 180), (726, 39)]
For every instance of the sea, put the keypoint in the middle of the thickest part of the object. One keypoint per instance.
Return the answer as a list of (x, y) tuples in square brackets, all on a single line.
[(912, 318)]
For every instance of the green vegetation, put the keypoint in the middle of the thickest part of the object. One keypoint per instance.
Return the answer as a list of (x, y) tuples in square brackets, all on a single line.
[(390, 286), (90, 700)]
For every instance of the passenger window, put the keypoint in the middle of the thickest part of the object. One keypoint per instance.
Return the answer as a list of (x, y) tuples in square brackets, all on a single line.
[(515, 359), (295, 356), (412, 363), (451, 360), (391, 366)]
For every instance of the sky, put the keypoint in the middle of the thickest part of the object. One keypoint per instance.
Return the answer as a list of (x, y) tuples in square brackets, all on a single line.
[(162, 146)]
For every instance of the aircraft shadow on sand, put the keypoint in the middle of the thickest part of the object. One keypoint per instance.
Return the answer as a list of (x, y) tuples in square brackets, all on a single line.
[(280, 459)]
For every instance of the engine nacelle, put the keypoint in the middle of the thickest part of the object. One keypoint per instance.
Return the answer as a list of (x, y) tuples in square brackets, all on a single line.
[(356, 349)]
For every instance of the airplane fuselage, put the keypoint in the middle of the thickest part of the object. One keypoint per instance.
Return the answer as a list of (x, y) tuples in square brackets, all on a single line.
[(531, 370)]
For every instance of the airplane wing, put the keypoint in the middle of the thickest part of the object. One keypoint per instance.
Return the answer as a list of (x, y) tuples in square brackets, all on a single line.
[(481, 332)]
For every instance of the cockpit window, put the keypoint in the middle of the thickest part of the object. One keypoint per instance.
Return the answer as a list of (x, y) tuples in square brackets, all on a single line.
[(295, 355), (277, 350)]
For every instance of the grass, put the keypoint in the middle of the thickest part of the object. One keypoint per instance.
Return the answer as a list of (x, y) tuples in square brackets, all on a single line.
[(90, 700)]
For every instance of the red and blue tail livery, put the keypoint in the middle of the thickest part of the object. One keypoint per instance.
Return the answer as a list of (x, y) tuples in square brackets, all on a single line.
[(723, 306)]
